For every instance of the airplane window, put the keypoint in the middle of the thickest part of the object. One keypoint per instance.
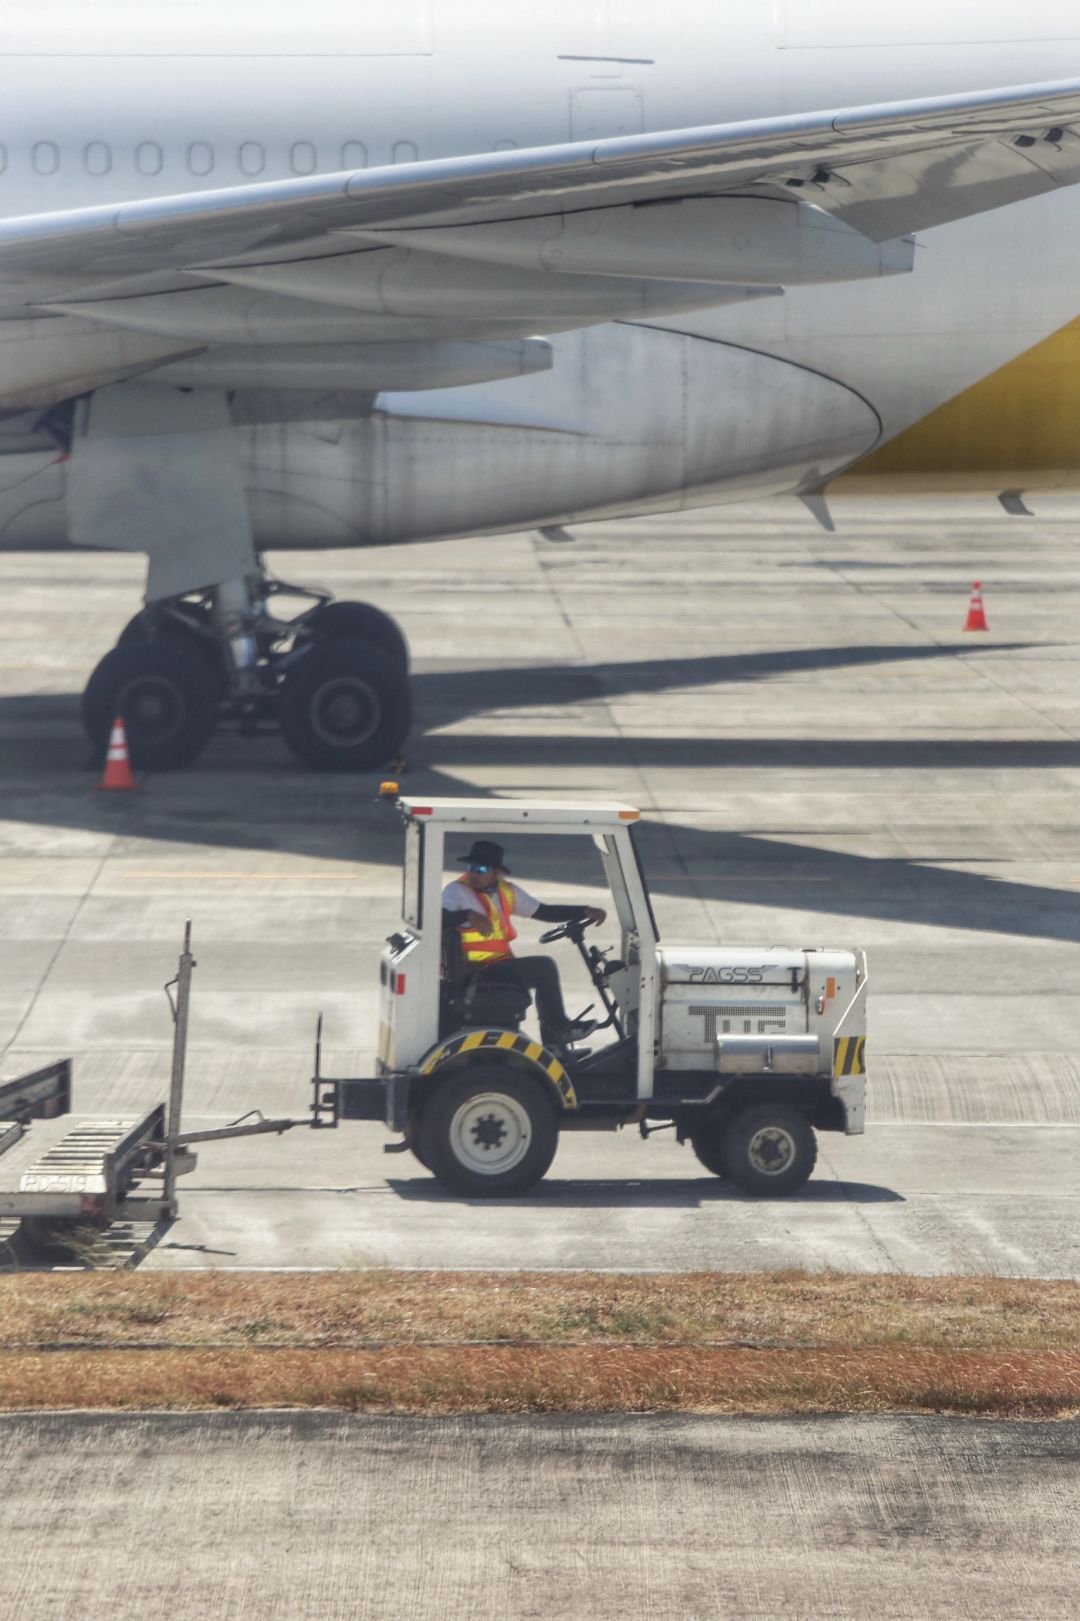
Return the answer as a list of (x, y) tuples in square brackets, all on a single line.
[(200, 157), (46, 157), (303, 158), (252, 158), (405, 152), (506, 146), (148, 158), (354, 155), (97, 158)]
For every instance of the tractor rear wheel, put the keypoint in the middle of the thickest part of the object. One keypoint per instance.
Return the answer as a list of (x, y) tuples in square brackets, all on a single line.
[(769, 1150), (708, 1146)]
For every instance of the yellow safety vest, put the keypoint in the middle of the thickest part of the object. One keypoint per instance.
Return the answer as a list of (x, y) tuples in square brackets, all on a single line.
[(493, 947)]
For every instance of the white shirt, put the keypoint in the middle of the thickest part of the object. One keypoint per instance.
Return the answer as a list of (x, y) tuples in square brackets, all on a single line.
[(459, 897)]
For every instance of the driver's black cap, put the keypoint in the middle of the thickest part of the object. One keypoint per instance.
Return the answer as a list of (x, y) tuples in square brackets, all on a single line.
[(485, 853)]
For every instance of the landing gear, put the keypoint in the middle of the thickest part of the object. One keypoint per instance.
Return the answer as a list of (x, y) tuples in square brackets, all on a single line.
[(334, 678), (167, 695), (359, 622), (344, 706), (185, 624)]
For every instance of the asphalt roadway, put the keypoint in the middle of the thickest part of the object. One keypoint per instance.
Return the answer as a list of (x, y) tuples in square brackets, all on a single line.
[(822, 756), (327, 1517)]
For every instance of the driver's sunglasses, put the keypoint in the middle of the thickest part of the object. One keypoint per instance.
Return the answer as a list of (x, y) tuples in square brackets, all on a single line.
[(482, 870)]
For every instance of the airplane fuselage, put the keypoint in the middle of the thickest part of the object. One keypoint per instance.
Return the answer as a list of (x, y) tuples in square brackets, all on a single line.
[(122, 100), (119, 102)]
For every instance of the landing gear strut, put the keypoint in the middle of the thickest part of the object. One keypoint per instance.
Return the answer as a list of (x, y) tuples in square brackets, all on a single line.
[(334, 678)]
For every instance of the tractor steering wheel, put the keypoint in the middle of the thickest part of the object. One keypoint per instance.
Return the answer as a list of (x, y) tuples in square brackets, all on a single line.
[(565, 931)]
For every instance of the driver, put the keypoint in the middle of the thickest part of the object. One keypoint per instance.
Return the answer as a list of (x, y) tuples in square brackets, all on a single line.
[(481, 904)]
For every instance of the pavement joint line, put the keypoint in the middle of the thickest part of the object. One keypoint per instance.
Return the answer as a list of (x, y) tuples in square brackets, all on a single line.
[(646, 798), (978, 1125), (603, 698), (120, 831), (556, 1198), (977, 667), (862, 588), (862, 1218), (295, 1187)]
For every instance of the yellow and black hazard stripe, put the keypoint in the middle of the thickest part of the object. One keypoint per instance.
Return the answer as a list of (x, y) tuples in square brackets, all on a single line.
[(849, 1055), (507, 1041)]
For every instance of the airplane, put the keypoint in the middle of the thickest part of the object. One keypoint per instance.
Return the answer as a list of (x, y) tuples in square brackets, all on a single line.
[(346, 275)]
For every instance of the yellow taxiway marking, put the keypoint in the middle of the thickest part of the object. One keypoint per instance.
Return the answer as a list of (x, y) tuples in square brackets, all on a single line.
[(261, 877)]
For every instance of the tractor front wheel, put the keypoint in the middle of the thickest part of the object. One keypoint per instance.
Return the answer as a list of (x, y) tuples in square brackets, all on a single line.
[(488, 1133)]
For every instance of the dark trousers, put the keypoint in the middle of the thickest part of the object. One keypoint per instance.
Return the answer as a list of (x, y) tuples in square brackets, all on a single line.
[(539, 975)]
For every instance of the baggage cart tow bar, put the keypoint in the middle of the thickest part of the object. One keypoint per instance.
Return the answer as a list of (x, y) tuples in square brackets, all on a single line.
[(175, 1148), (57, 1168)]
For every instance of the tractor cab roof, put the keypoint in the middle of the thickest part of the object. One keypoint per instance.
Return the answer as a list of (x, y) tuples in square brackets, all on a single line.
[(490, 814)]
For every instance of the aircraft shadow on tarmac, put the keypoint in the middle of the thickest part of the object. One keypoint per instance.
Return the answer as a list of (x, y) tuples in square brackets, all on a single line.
[(447, 697), (443, 698), (251, 797), (633, 1193)]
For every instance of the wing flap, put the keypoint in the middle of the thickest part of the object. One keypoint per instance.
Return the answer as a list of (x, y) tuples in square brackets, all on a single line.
[(895, 167), (930, 189)]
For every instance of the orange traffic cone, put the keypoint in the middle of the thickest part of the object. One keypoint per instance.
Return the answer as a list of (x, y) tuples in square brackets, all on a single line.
[(117, 760), (976, 614)]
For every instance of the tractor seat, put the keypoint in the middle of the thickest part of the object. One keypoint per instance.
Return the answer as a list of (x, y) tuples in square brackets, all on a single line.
[(488, 1001), (472, 996)]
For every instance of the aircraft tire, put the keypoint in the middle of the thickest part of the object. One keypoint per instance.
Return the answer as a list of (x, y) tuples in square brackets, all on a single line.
[(185, 632), (344, 706), (165, 692), (360, 622), (488, 1133)]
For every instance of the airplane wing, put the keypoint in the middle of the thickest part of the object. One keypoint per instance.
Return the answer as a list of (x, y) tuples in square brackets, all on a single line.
[(884, 170), (296, 284)]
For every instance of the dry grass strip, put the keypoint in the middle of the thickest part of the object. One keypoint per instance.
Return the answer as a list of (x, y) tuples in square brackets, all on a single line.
[(516, 1379), (431, 1342), (354, 1308)]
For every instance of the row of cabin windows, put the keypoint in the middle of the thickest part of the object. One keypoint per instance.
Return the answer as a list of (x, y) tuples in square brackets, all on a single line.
[(200, 157)]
